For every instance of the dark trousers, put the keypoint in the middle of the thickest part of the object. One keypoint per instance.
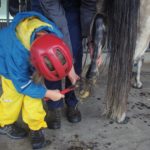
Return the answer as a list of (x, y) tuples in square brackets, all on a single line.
[(73, 20)]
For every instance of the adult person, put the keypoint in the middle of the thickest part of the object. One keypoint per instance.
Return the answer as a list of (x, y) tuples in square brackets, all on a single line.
[(66, 14)]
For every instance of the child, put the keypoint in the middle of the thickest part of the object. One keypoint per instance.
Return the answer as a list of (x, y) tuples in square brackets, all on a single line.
[(28, 36)]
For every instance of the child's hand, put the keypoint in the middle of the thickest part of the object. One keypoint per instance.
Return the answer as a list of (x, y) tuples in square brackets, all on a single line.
[(54, 95), (73, 76)]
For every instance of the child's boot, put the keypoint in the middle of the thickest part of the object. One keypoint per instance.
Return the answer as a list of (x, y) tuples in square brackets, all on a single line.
[(13, 131), (38, 140)]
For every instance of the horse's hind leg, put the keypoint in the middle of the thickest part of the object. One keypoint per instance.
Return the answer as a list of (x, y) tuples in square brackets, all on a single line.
[(142, 40), (142, 44), (137, 74)]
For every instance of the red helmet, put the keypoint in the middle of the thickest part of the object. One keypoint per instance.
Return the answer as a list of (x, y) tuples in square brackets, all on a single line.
[(51, 57)]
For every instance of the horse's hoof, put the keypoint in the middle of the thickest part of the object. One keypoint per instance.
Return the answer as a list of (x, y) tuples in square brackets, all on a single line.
[(84, 94), (135, 86), (125, 121)]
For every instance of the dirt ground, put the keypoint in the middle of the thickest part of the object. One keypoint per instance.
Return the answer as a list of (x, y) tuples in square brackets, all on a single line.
[(95, 132)]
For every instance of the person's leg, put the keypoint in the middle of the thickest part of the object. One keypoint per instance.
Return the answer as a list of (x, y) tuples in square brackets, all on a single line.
[(47, 8), (73, 19), (54, 107), (54, 11), (33, 115), (87, 12), (35, 6), (10, 106)]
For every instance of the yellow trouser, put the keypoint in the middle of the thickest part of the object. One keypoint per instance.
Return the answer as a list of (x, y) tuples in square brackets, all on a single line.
[(11, 102)]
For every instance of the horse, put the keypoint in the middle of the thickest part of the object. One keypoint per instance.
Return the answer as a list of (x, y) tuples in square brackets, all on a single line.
[(124, 27)]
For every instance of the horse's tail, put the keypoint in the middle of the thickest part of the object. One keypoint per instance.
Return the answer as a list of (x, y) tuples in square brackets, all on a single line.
[(122, 34)]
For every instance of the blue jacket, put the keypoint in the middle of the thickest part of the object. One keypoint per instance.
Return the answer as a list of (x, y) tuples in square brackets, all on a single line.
[(14, 57)]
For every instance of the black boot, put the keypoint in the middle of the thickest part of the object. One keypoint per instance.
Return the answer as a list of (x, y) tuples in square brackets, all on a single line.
[(38, 140), (73, 114), (54, 118), (13, 131)]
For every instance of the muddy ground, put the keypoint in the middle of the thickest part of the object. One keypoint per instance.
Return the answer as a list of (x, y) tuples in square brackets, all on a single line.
[(95, 132)]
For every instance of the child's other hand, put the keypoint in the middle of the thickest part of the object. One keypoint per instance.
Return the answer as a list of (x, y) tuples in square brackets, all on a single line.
[(54, 95), (73, 76)]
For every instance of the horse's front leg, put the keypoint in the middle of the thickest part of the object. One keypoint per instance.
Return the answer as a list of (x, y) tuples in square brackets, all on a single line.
[(98, 39), (95, 45)]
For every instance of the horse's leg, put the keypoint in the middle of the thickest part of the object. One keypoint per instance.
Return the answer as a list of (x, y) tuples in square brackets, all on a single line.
[(142, 40), (138, 77), (141, 46), (137, 74), (97, 39)]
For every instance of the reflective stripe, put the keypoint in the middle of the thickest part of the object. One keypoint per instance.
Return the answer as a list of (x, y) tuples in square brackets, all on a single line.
[(24, 86)]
